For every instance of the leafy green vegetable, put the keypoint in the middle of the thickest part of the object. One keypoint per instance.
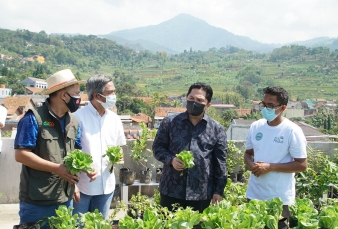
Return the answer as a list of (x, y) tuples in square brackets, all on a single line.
[(63, 218), (328, 217), (187, 158), (184, 218), (77, 161), (95, 219), (114, 154)]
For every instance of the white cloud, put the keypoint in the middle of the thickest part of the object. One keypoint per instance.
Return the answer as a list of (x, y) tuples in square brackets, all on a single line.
[(277, 21)]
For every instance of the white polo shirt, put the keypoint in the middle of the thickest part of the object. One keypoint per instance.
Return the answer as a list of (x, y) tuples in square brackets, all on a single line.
[(3, 115), (96, 133)]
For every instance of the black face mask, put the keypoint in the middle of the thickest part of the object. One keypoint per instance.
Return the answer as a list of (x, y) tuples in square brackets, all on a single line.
[(73, 103), (195, 108)]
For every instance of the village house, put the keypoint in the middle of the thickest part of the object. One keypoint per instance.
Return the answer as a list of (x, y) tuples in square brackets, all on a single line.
[(5, 92), (34, 90), (161, 112), (17, 106), (34, 82)]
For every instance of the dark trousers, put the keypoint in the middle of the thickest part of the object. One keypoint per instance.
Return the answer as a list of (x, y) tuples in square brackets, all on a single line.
[(197, 205)]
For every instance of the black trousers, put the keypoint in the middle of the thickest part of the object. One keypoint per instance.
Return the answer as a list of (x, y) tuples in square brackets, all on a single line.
[(197, 205)]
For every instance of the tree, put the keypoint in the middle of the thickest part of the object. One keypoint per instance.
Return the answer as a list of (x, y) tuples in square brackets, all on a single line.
[(176, 103)]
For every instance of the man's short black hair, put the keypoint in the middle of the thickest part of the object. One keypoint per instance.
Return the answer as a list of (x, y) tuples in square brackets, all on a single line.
[(205, 87), (282, 95)]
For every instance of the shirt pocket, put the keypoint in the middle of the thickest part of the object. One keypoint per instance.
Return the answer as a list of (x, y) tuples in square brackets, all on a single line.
[(44, 186), (51, 144)]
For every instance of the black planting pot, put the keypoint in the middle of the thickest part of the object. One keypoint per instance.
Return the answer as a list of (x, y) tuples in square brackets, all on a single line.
[(158, 174), (129, 177), (233, 177), (146, 176), (122, 170)]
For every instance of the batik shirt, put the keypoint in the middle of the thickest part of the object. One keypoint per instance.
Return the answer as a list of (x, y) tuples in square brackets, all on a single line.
[(208, 142)]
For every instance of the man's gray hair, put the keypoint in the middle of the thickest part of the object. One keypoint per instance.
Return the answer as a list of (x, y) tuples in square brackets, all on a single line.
[(96, 84)]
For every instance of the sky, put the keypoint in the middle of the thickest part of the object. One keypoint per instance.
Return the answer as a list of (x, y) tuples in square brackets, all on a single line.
[(266, 21)]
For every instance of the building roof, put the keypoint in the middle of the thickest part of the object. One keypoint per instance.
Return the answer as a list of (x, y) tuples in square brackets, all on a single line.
[(256, 102), (223, 105), (140, 117), (243, 112), (12, 109), (16, 101), (37, 79), (312, 133), (144, 99), (35, 89), (163, 111)]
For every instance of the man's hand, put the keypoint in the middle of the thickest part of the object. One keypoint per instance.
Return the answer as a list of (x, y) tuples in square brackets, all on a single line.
[(1, 125), (76, 195), (92, 176), (216, 198), (260, 168), (177, 164), (62, 172)]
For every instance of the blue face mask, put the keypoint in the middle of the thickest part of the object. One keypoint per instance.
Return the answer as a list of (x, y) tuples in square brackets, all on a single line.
[(269, 114)]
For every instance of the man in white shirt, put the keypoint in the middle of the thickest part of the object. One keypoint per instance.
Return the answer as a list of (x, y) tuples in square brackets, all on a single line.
[(3, 115), (100, 127), (275, 150)]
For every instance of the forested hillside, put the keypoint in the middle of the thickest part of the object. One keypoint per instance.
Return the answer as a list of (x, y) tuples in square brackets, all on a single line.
[(236, 75)]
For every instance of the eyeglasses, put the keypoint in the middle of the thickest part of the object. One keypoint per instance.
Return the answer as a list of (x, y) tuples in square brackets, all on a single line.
[(262, 105)]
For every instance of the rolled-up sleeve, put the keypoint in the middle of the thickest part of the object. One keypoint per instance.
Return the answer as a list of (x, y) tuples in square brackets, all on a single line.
[(219, 163), (161, 143)]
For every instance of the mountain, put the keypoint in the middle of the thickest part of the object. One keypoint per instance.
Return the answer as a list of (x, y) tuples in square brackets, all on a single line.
[(331, 43), (185, 31), (139, 44)]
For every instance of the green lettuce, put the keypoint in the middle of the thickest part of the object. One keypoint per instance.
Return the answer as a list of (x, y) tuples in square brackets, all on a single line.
[(77, 161), (114, 154), (187, 158)]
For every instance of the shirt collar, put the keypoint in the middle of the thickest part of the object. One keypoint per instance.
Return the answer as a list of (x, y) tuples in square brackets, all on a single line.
[(92, 109)]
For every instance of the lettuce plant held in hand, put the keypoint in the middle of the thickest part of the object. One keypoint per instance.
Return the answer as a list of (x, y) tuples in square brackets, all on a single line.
[(114, 154), (77, 161), (187, 158)]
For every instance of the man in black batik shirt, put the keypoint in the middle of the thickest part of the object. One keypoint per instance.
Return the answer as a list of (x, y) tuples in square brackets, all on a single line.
[(192, 130)]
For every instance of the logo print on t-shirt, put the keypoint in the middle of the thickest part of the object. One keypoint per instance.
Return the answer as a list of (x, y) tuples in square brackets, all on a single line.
[(259, 136), (279, 139)]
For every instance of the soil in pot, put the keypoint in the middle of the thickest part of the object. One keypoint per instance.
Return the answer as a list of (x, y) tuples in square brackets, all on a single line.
[(158, 175), (146, 176), (129, 177), (233, 177)]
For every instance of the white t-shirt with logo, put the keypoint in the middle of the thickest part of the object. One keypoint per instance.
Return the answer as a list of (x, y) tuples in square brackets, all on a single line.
[(275, 144)]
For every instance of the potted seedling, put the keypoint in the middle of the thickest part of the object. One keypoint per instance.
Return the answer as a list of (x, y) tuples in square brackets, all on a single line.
[(77, 161), (140, 154), (187, 158)]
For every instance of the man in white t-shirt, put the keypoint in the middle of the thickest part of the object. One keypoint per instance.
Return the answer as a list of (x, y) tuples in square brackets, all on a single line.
[(275, 150), (100, 127), (3, 115)]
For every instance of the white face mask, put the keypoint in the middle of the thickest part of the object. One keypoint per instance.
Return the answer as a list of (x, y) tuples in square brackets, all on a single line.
[(110, 101)]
